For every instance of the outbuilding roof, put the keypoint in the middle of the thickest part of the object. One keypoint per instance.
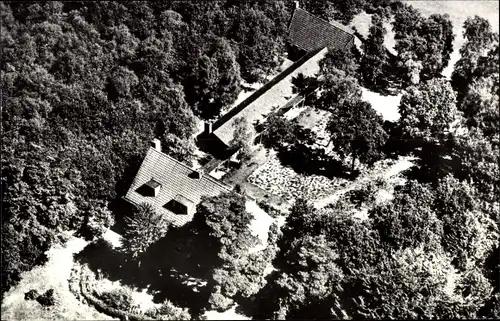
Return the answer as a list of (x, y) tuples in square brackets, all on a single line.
[(274, 94), (177, 183), (309, 32)]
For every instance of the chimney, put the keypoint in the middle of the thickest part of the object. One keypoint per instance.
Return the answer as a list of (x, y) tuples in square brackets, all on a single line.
[(208, 127), (155, 143), (296, 4)]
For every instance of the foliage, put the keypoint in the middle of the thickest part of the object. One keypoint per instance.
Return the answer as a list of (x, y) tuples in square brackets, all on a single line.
[(477, 160), (479, 39), (260, 49), (342, 11), (238, 272), (280, 133), (409, 221), (168, 311), (47, 298), (215, 82), (356, 130), (340, 59), (31, 294), (427, 111), (119, 298), (86, 85), (423, 44), (396, 264), (375, 56), (144, 228), (244, 135)]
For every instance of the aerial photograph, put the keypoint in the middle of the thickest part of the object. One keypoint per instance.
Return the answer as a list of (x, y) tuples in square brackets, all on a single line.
[(250, 160)]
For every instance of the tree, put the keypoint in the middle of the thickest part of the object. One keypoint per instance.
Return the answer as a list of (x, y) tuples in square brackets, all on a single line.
[(311, 287), (479, 39), (143, 228), (480, 101), (222, 222), (282, 134), (244, 135), (260, 50), (428, 111), (477, 161), (215, 82), (409, 220), (340, 59), (356, 130), (374, 58), (423, 44)]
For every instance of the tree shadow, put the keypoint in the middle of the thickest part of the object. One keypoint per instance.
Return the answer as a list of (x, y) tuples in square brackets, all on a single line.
[(390, 81), (309, 161), (433, 163), (185, 253)]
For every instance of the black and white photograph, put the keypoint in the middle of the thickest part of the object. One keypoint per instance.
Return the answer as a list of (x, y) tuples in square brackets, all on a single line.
[(250, 160)]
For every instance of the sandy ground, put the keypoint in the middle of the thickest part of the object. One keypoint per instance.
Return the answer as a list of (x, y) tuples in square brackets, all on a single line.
[(52, 275), (114, 238), (387, 106), (259, 225), (391, 173)]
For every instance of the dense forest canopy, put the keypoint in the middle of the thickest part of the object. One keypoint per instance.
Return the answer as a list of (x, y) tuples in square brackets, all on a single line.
[(86, 85)]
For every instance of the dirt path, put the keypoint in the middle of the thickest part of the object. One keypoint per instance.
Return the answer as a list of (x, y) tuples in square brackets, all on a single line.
[(401, 165)]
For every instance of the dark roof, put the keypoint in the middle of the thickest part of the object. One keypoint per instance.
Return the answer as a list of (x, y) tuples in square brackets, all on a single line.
[(176, 185), (309, 32), (275, 93)]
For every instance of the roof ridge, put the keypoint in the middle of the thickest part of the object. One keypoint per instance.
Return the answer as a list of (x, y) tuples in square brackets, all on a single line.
[(208, 177), (334, 24)]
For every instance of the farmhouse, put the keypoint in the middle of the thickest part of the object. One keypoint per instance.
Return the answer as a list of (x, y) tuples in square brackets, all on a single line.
[(173, 188)]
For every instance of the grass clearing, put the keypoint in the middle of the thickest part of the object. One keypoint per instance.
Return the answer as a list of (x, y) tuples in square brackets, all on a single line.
[(54, 274)]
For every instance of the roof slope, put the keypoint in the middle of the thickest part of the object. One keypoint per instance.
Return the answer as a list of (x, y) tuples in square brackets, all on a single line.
[(309, 32), (275, 93), (175, 181)]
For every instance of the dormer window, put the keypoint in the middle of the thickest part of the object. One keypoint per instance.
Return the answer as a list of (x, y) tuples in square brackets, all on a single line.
[(150, 189), (180, 205)]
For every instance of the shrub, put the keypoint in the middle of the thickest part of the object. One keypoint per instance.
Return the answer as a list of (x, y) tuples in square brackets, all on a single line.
[(31, 295), (218, 301), (120, 298), (47, 299), (168, 311)]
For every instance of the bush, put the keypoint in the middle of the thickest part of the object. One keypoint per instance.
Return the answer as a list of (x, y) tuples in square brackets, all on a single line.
[(168, 311), (218, 301), (120, 299), (47, 299), (31, 295), (269, 209)]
